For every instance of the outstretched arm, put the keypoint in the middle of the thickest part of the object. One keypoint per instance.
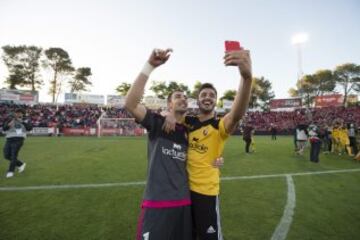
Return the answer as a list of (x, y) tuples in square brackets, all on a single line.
[(134, 95), (241, 59)]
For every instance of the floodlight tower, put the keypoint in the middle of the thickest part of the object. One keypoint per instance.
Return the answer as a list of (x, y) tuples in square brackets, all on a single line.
[(298, 41)]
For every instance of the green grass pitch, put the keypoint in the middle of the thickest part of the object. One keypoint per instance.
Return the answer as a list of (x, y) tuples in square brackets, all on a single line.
[(327, 205)]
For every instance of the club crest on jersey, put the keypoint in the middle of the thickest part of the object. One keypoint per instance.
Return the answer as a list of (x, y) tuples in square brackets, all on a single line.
[(205, 132)]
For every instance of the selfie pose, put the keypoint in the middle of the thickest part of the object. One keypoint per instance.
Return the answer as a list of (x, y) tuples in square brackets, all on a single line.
[(207, 136)]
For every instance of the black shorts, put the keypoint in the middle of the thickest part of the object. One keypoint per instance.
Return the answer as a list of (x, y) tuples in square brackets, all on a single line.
[(206, 217), (165, 224)]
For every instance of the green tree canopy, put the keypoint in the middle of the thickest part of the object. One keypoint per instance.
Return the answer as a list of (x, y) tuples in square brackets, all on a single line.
[(81, 80), (123, 88), (229, 95), (261, 93), (195, 91), (162, 90), (313, 85), (23, 65), (59, 61), (348, 77)]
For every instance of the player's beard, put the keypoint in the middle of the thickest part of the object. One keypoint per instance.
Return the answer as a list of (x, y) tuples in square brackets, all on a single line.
[(206, 110)]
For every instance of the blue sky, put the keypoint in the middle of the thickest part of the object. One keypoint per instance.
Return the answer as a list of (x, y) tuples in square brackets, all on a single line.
[(114, 38)]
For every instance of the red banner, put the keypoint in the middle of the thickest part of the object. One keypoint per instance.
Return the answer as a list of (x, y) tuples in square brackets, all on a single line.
[(104, 132), (122, 132), (333, 100), (77, 132), (285, 103)]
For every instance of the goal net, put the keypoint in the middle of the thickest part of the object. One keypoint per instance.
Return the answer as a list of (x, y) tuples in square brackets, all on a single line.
[(119, 127)]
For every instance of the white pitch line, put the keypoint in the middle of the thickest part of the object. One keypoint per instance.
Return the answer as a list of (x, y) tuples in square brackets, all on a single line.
[(71, 186), (126, 184), (291, 174), (283, 227)]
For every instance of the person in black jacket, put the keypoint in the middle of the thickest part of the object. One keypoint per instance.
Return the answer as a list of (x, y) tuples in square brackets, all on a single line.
[(247, 136), (315, 143), (15, 129)]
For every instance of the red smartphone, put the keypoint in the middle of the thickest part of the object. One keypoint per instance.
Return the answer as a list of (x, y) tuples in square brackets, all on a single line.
[(232, 46)]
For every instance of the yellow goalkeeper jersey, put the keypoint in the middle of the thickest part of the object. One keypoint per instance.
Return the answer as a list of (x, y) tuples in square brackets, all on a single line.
[(206, 143), (335, 133)]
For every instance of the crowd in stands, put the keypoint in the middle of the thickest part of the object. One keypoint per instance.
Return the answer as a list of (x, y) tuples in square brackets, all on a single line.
[(112, 112), (285, 122), (46, 115), (80, 116)]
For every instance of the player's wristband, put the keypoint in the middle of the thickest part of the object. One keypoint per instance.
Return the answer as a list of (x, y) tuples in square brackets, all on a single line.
[(147, 69)]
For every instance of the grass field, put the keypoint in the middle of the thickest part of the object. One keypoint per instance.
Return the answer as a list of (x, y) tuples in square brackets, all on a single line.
[(327, 205)]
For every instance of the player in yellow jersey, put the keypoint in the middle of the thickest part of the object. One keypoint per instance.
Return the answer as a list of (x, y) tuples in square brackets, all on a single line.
[(336, 146), (344, 140), (207, 136)]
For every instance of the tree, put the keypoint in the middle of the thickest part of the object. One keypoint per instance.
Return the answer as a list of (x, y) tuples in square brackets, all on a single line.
[(123, 88), (307, 89), (313, 85), (16, 77), (173, 86), (33, 54), (266, 94), (59, 61), (348, 76), (261, 93), (324, 81), (195, 91), (81, 80), (229, 95), (159, 88), (357, 87), (293, 92), (23, 65), (13, 61), (162, 90)]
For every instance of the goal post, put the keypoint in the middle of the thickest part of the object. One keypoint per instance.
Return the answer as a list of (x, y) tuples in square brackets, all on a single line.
[(119, 127)]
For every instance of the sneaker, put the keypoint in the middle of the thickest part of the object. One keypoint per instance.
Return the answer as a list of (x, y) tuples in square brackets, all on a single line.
[(9, 174), (22, 168)]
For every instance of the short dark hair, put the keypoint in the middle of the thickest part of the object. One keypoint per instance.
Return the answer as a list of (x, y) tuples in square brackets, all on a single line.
[(171, 93), (207, 85)]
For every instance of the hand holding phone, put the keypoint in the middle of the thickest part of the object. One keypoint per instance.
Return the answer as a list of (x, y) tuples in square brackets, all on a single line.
[(232, 46), (235, 55)]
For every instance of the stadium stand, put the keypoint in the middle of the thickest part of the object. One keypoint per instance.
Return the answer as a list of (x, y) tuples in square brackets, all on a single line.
[(86, 116)]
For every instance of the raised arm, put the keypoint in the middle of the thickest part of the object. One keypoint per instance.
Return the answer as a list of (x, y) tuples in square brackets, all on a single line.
[(243, 61), (134, 95)]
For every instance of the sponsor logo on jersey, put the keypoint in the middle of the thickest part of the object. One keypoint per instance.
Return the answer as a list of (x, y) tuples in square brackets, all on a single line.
[(176, 152), (200, 148), (177, 146)]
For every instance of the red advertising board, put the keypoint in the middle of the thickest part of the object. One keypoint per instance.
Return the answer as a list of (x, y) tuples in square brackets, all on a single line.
[(19, 96), (104, 132), (333, 100), (77, 132), (285, 103), (122, 132)]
